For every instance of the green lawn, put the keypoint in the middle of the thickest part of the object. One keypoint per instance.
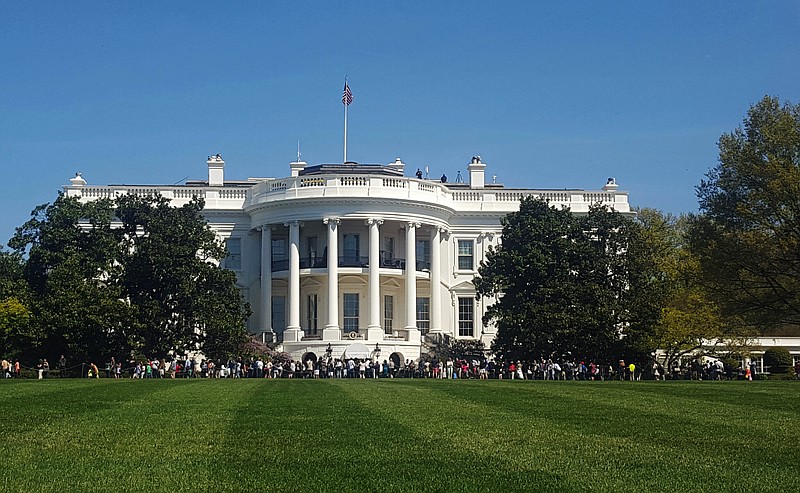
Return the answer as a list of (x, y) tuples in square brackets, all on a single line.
[(398, 435)]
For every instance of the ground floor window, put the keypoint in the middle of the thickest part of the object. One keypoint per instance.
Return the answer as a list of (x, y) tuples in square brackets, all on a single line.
[(311, 318), (423, 315), (466, 317), (350, 301), (388, 314), (279, 314)]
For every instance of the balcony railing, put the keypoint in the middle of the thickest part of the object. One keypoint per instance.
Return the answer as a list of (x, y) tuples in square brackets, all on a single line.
[(350, 261), (353, 261)]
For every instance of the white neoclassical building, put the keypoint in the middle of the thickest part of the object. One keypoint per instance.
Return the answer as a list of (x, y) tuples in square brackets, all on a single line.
[(358, 259)]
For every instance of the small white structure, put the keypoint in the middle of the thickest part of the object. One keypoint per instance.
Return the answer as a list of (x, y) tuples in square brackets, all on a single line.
[(339, 255)]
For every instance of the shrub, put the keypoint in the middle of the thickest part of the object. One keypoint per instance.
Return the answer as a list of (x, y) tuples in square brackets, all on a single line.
[(778, 360)]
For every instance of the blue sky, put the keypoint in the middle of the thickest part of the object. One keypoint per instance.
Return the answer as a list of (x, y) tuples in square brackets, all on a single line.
[(550, 94)]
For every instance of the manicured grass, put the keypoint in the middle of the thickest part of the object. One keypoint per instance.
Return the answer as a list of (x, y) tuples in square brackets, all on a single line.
[(398, 435)]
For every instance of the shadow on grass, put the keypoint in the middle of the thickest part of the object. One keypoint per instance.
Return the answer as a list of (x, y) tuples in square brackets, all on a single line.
[(670, 442), (321, 436)]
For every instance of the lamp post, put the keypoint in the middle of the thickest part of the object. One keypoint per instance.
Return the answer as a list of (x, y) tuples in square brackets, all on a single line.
[(328, 351), (377, 351)]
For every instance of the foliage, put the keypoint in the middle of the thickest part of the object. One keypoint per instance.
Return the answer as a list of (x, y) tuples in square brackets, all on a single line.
[(747, 240), (778, 360), (147, 284), (568, 284), (255, 348), (182, 300), (15, 312), (450, 348), (70, 258), (14, 323), (689, 322), (12, 281)]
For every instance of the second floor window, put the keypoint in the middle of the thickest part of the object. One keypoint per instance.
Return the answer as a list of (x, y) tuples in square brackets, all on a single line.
[(234, 259), (351, 250), (465, 255)]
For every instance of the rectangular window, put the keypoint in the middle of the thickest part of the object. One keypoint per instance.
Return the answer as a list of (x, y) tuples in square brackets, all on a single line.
[(423, 254), (423, 315), (465, 255), (311, 318), (387, 254), (350, 251), (350, 301), (390, 247), (466, 315), (279, 249), (278, 314), (312, 254), (388, 314), (234, 259)]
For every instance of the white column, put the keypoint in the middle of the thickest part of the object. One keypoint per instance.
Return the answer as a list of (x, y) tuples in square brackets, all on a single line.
[(265, 323), (480, 307), (436, 281), (374, 331), (293, 332), (331, 331), (411, 282)]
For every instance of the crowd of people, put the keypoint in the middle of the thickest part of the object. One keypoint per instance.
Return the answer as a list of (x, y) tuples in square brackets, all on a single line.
[(460, 368)]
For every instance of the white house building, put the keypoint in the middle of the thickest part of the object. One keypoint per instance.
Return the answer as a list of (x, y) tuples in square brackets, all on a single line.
[(358, 259)]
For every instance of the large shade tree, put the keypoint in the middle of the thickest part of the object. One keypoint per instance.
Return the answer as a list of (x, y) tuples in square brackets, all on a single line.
[(747, 239), (569, 285), (14, 305), (70, 259), (690, 322), (132, 275), (181, 299)]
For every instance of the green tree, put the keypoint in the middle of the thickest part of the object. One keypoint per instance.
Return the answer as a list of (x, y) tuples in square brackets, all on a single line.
[(565, 284), (14, 322), (688, 319), (779, 361), (71, 254), (452, 348), (182, 301), (148, 285), (747, 240), (14, 305)]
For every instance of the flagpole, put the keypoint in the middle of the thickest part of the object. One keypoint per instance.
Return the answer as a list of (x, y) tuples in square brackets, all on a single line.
[(347, 98)]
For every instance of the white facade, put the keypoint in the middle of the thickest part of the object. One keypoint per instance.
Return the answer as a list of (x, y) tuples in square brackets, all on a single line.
[(357, 257)]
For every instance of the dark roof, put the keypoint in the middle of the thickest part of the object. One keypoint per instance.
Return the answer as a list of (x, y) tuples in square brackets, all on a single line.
[(350, 168)]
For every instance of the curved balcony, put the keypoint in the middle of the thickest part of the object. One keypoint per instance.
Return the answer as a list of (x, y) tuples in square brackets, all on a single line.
[(349, 261)]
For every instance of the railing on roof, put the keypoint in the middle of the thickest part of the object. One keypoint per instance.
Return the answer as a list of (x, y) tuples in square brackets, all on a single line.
[(363, 186)]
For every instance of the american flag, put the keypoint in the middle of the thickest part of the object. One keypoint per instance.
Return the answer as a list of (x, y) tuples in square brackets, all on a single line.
[(347, 96)]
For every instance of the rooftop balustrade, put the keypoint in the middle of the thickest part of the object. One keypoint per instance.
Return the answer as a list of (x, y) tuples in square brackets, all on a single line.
[(457, 197)]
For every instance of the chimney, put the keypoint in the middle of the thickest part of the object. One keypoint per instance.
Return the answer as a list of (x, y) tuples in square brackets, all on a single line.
[(297, 167), (611, 185), (398, 165), (476, 172), (78, 181), (216, 168)]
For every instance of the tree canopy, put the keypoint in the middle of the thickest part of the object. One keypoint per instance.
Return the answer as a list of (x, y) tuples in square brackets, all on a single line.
[(109, 278), (566, 284), (747, 239)]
